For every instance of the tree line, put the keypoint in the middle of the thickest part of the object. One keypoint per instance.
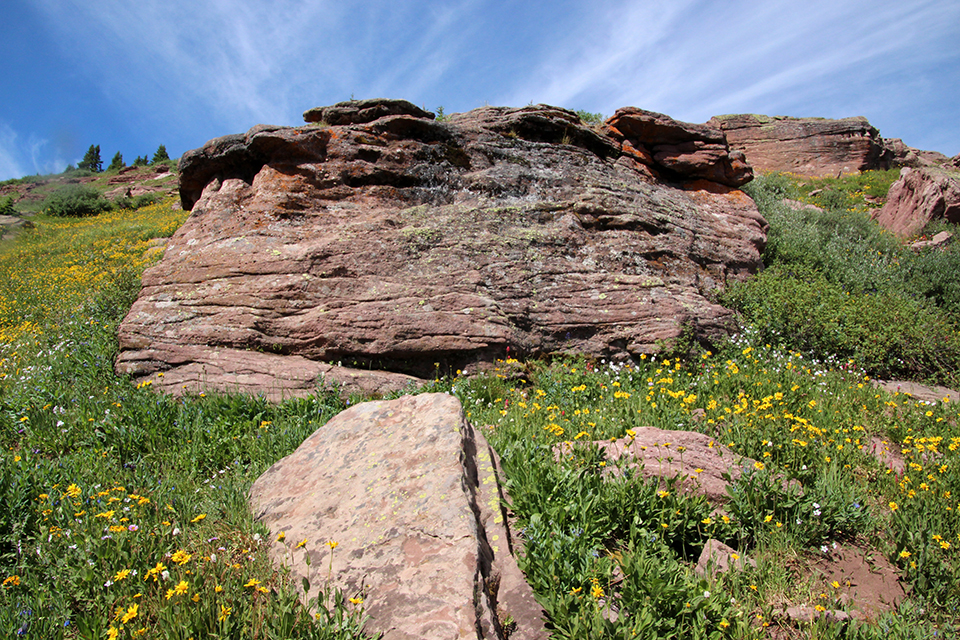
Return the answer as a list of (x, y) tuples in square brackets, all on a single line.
[(93, 162)]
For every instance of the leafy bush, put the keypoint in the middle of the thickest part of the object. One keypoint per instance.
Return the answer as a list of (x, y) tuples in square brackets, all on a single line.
[(887, 333), (76, 201), (6, 207)]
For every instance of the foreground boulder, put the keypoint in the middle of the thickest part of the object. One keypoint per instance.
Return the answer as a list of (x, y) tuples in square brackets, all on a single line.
[(919, 197), (384, 242), (399, 504), (813, 147)]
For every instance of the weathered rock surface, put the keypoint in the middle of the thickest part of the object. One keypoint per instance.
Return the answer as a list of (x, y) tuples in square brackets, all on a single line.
[(805, 146), (411, 495), (903, 156), (404, 244), (716, 558), (938, 241), (698, 460), (918, 197)]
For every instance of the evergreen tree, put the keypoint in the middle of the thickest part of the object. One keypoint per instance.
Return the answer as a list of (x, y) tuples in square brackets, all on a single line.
[(116, 163), (160, 155), (141, 161), (91, 161)]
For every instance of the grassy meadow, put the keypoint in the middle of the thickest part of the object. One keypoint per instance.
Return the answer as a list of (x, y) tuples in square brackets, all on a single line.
[(124, 511)]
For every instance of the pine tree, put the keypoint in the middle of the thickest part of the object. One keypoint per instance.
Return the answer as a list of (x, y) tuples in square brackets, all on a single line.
[(91, 161), (160, 155), (116, 163), (141, 161)]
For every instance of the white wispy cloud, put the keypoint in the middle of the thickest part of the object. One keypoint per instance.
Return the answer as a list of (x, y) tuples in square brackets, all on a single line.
[(10, 166), (696, 59)]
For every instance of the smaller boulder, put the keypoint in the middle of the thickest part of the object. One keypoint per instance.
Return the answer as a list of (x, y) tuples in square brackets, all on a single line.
[(717, 557), (919, 197), (698, 459)]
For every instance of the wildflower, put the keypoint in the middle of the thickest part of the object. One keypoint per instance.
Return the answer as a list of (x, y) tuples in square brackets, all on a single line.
[(768, 519), (576, 591), (181, 588), (302, 544), (11, 581), (893, 506), (218, 589), (252, 582), (706, 520), (357, 600), (758, 465), (596, 591), (130, 614), (199, 518), (181, 557), (73, 491), (120, 575), (332, 544), (112, 633), (281, 536), (905, 554), (224, 613), (835, 584)]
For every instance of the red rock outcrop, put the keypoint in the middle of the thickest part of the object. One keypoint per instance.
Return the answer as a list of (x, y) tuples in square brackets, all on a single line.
[(917, 198), (410, 495), (398, 243), (805, 146)]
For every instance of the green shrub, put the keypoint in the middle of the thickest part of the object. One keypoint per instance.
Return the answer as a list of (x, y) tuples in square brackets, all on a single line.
[(76, 201), (888, 333), (6, 207)]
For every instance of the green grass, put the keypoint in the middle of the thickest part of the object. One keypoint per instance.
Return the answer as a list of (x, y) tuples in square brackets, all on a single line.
[(125, 511), (102, 481)]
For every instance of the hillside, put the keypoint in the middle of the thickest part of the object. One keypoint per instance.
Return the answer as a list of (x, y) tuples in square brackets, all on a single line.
[(126, 511)]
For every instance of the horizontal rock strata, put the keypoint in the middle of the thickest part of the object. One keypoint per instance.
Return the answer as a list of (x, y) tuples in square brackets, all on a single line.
[(805, 146), (382, 240)]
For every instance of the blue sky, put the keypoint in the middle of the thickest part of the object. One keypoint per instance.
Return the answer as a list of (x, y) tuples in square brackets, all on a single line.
[(130, 76)]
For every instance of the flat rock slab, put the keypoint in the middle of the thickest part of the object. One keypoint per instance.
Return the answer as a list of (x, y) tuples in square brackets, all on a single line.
[(410, 494), (698, 459)]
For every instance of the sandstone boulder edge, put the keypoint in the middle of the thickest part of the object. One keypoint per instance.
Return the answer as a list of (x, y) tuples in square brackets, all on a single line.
[(411, 495)]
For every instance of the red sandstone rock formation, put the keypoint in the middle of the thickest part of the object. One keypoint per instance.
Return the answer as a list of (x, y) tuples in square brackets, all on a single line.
[(386, 243), (805, 146)]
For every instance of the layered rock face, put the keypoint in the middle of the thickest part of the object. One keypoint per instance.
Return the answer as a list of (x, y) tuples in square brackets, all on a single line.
[(813, 147), (399, 504), (918, 197), (382, 240)]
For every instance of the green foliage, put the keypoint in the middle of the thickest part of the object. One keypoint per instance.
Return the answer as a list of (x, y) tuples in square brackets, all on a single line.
[(75, 200), (117, 163), (592, 119), (6, 207), (160, 155), (838, 283), (135, 202), (441, 115), (103, 480), (141, 161), (887, 333), (91, 160)]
